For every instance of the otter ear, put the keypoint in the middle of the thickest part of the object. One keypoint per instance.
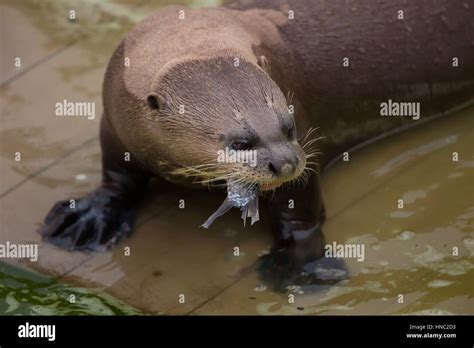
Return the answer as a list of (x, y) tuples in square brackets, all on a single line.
[(152, 101), (262, 62)]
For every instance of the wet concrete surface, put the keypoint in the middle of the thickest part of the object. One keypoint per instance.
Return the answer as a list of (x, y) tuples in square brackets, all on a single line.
[(408, 251)]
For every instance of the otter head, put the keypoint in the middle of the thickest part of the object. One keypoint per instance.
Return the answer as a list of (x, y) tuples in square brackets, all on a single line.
[(224, 119)]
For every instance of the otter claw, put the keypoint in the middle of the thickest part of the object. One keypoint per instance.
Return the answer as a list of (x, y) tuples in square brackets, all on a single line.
[(97, 222)]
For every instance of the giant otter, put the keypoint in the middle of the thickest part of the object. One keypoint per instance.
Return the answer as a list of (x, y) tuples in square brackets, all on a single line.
[(262, 75)]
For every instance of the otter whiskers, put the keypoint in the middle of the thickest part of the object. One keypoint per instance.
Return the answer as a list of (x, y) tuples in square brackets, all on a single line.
[(242, 191), (311, 151)]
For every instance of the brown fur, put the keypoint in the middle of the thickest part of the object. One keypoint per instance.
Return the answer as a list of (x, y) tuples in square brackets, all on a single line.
[(405, 60), (192, 66)]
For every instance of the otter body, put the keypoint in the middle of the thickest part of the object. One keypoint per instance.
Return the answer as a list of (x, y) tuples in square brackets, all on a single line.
[(259, 75), (343, 59)]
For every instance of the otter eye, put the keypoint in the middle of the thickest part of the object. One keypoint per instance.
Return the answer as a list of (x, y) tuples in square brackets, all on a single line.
[(241, 146), (152, 102)]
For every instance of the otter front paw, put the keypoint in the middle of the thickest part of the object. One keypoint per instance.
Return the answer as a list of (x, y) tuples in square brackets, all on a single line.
[(93, 223)]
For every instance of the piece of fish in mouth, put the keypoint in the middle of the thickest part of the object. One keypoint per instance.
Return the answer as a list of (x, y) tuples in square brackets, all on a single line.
[(240, 196)]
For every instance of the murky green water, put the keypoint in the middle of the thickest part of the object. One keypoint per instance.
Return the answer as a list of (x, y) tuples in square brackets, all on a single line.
[(24, 292)]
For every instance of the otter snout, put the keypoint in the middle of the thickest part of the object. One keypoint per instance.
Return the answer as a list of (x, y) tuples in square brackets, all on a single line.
[(283, 168)]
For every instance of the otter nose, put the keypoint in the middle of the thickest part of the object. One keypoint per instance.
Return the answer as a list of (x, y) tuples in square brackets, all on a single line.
[(281, 169)]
